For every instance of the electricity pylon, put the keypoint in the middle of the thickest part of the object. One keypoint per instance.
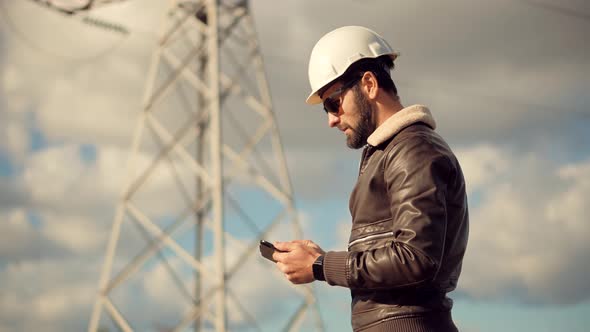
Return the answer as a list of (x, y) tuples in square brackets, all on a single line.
[(208, 114)]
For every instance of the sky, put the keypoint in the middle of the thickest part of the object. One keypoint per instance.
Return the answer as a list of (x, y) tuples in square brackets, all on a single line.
[(507, 82)]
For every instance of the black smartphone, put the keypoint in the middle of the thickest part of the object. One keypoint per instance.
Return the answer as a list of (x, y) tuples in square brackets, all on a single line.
[(266, 250)]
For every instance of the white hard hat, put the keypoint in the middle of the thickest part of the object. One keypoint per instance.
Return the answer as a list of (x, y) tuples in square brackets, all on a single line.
[(337, 50)]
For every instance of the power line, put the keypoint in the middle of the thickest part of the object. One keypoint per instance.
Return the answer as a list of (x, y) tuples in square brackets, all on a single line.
[(35, 46), (102, 24), (105, 25), (71, 10)]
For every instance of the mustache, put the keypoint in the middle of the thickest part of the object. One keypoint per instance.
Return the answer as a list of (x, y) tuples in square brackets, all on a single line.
[(343, 128)]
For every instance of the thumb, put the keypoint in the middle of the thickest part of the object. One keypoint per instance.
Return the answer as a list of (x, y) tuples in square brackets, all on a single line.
[(285, 246)]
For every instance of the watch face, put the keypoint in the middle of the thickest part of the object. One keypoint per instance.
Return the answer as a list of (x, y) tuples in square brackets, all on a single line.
[(318, 269)]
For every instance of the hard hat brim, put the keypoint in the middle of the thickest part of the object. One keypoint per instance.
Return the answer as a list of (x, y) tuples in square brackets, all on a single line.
[(313, 99)]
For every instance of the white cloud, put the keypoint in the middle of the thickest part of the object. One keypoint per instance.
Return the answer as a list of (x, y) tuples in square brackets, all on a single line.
[(48, 235), (528, 233), (63, 184), (301, 221), (343, 232), (340, 236), (65, 114), (85, 84), (14, 128), (318, 173), (13, 83), (570, 208), (17, 232), (58, 177), (74, 233), (15, 138), (47, 294), (51, 174), (482, 165)]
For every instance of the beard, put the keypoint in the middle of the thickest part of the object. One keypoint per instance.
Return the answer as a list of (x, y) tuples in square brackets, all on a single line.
[(366, 126)]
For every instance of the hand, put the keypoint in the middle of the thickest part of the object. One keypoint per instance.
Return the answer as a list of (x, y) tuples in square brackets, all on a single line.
[(296, 263)]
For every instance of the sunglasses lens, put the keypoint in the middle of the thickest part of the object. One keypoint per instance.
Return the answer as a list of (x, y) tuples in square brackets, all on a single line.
[(331, 105)]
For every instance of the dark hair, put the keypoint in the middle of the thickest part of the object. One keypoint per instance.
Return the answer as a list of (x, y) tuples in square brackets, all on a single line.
[(380, 67)]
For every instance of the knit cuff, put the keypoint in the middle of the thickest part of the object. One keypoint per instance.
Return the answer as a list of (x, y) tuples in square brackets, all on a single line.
[(336, 268)]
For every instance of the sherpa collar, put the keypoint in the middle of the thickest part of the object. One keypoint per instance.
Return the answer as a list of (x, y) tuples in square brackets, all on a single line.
[(399, 121)]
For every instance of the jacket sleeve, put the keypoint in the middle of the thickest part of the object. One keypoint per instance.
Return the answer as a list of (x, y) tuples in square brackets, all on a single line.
[(416, 176)]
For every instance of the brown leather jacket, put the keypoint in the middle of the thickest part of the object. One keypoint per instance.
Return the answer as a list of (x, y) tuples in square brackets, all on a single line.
[(409, 229)]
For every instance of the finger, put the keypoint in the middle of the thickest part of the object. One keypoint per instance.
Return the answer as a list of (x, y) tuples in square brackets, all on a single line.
[(307, 243), (312, 245), (290, 277), (285, 246), (282, 267), (279, 256), (286, 269)]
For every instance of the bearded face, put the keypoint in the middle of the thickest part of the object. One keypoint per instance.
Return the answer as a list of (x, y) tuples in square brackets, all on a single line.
[(364, 126)]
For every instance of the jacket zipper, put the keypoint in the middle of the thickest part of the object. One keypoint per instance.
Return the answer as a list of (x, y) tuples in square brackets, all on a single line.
[(370, 237)]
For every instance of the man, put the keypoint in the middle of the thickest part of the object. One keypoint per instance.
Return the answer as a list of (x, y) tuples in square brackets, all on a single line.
[(409, 207)]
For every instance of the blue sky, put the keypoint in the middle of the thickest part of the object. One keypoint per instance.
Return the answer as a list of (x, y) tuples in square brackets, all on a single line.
[(506, 81)]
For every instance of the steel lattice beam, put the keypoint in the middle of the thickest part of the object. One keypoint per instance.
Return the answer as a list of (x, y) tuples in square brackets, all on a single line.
[(195, 40)]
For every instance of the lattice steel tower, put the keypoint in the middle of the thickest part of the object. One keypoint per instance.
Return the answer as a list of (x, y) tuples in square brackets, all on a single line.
[(207, 167)]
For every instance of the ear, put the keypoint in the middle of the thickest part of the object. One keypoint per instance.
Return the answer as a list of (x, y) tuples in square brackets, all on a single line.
[(370, 85)]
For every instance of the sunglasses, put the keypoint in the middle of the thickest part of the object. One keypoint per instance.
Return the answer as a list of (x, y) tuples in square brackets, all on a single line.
[(332, 102)]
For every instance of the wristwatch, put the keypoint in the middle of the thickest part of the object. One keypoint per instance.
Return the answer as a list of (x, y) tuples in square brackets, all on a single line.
[(318, 269)]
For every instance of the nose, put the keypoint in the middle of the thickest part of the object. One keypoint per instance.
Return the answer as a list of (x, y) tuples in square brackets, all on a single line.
[(333, 120)]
